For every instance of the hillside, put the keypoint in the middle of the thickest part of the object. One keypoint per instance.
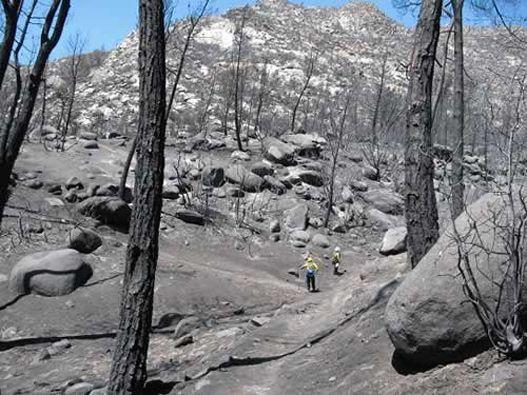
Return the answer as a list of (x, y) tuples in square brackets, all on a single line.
[(231, 311)]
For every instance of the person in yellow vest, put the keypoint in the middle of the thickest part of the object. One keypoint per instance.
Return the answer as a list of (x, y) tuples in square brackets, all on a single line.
[(336, 257), (311, 271)]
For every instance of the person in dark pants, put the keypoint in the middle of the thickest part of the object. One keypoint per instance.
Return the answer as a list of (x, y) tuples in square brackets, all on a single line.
[(311, 271)]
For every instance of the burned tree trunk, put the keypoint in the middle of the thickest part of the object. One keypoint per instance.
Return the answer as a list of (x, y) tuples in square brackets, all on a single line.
[(309, 74), (420, 201), (239, 38), (128, 371), (458, 188), (126, 168), (12, 11)]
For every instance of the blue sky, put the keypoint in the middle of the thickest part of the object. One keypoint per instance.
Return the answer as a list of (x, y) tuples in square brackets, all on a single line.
[(105, 23)]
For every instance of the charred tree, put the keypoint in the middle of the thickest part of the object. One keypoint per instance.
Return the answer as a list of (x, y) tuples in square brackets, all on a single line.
[(14, 130), (420, 200), (128, 371), (335, 140), (76, 45), (458, 187), (238, 77), (193, 23), (12, 10), (309, 73)]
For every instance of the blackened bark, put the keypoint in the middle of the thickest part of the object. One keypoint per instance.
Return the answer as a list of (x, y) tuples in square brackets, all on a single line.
[(420, 201), (238, 84), (128, 371), (11, 139), (309, 74), (126, 168), (458, 187), (11, 14)]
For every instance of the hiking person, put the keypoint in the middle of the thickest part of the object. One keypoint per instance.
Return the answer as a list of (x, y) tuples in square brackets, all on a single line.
[(311, 271), (336, 257)]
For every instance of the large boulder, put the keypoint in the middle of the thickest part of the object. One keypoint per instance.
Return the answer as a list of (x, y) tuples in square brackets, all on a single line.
[(305, 145), (394, 241), (429, 318), (279, 152), (84, 240), (249, 182), (296, 218), (310, 177), (381, 220), (110, 210), (49, 273), (262, 169), (320, 240), (300, 235), (384, 200), (274, 185), (213, 176)]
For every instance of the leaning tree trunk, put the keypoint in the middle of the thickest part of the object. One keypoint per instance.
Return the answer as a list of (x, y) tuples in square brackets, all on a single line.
[(420, 201), (126, 168), (11, 11), (458, 188), (128, 371)]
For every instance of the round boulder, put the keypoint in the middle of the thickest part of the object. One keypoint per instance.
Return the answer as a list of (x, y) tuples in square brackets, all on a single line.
[(49, 273), (320, 240), (84, 240), (300, 235)]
